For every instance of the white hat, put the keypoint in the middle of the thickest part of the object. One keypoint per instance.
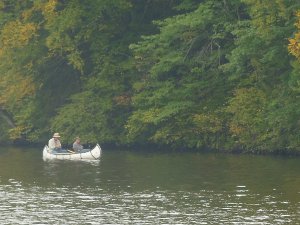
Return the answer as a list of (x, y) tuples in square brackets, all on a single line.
[(56, 135)]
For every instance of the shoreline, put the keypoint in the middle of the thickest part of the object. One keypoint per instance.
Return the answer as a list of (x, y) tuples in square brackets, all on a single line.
[(152, 148)]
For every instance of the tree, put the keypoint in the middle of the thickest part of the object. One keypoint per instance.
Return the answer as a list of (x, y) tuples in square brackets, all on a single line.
[(181, 85)]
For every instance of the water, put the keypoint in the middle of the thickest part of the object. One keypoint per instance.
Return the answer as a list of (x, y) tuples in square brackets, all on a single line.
[(149, 188)]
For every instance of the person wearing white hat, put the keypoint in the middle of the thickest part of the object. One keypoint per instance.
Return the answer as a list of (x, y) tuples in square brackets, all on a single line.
[(54, 143)]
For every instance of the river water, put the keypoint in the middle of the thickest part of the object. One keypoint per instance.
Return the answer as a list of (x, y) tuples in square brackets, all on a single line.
[(149, 188)]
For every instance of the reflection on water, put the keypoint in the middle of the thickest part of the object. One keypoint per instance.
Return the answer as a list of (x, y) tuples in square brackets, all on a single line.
[(140, 188), (97, 206)]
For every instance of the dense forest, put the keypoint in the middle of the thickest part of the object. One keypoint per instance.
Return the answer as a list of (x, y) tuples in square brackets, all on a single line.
[(201, 74)]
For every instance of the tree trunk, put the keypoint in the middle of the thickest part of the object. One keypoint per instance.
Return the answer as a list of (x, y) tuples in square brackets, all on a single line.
[(6, 118)]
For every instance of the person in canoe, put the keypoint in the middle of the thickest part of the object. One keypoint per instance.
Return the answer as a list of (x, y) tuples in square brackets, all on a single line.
[(54, 143), (77, 147)]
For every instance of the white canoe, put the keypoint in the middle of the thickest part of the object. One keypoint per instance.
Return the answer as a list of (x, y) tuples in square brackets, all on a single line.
[(86, 154)]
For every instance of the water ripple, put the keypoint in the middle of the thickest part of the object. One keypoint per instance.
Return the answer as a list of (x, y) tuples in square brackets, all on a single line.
[(82, 205)]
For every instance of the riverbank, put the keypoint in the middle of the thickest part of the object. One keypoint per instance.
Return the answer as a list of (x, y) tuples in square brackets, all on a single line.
[(157, 148)]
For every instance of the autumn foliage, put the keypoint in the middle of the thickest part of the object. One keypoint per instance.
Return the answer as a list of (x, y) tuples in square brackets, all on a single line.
[(207, 74)]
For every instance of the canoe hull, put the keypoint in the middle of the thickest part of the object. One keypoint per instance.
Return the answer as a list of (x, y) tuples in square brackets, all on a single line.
[(93, 154)]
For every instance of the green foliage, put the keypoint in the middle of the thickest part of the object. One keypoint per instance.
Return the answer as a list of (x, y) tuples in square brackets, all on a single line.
[(109, 74), (248, 121), (4, 134), (186, 73), (181, 79)]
